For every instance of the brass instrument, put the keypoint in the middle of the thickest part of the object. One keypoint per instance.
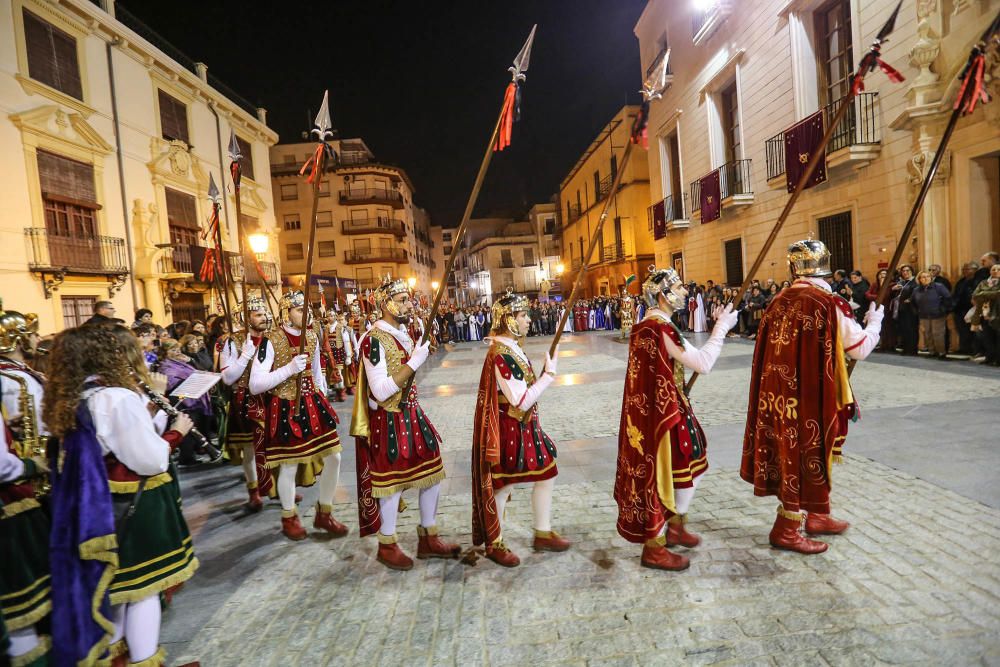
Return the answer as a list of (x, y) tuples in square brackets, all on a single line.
[(32, 444)]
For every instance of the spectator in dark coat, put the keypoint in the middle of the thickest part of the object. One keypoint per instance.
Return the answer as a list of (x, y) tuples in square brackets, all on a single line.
[(905, 314), (858, 289), (933, 303), (961, 298)]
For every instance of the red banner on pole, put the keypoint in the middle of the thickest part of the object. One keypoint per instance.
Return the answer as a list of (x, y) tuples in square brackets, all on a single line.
[(801, 140)]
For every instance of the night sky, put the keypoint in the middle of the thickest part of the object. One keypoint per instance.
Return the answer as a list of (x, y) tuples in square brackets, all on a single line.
[(422, 82)]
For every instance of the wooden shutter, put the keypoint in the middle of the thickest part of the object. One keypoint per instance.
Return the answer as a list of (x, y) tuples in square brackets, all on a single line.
[(173, 118), (66, 180), (52, 56), (247, 162), (181, 209), (734, 262), (835, 232)]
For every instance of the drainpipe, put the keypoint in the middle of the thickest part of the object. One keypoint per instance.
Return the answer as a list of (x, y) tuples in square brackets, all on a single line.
[(203, 75), (121, 173)]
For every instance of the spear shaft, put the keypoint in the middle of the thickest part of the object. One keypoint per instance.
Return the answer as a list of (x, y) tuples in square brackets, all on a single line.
[(594, 237), (240, 232), (307, 308)]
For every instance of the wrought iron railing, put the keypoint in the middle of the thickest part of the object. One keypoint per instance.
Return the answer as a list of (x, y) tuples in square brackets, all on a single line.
[(572, 213), (613, 253), (269, 269), (397, 255), (604, 187), (374, 226), (105, 255), (858, 128), (735, 178), (371, 195)]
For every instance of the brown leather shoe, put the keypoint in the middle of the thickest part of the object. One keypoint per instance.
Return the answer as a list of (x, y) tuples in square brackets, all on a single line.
[(657, 557), (324, 521), (501, 555), (292, 527), (390, 555), (429, 545), (785, 535), (550, 540), (678, 535), (350, 391), (824, 524), (255, 503)]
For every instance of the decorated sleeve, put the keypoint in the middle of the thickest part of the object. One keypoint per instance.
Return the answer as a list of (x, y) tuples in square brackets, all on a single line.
[(511, 382), (262, 377), (381, 385), (857, 341)]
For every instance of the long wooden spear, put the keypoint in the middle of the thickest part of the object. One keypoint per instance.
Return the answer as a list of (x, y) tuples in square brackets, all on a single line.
[(652, 89), (215, 257), (871, 60), (969, 95), (323, 129), (499, 140), (236, 172)]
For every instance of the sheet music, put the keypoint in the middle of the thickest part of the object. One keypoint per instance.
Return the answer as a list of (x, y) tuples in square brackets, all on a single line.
[(196, 385)]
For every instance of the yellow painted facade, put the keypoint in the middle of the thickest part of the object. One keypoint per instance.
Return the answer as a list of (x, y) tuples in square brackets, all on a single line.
[(625, 244), (111, 122), (771, 55)]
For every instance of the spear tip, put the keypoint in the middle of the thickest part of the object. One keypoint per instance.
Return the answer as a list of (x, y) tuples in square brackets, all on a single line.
[(213, 189), (890, 24), (234, 147), (322, 125), (523, 57)]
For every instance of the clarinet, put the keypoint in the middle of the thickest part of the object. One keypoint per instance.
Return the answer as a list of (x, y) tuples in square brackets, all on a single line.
[(162, 403)]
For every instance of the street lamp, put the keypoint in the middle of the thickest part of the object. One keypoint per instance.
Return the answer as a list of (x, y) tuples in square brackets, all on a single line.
[(560, 268), (434, 285), (259, 243), (412, 282)]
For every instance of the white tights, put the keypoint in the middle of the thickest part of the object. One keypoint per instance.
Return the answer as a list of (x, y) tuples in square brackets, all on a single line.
[(139, 623), (541, 503), (22, 641), (327, 482), (249, 466), (682, 500), (389, 509)]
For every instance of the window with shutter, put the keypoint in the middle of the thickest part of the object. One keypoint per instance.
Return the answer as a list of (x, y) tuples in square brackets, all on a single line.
[(835, 232), (734, 261), (173, 118), (323, 218), (182, 210), (289, 191), (70, 204), (52, 57), (246, 163), (327, 249), (294, 251)]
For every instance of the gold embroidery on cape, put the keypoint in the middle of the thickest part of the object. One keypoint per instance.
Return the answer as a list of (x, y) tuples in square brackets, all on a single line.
[(634, 436), (283, 355)]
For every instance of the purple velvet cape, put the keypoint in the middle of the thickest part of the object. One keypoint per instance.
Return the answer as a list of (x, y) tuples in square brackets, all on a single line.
[(83, 548)]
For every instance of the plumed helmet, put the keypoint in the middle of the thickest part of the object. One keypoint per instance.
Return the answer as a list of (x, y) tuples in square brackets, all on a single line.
[(809, 257), (659, 281), (15, 328), (503, 312), (384, 293)]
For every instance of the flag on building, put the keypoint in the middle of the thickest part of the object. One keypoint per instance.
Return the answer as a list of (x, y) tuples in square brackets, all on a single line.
[(659, 220), (801, 140), (711, 197)]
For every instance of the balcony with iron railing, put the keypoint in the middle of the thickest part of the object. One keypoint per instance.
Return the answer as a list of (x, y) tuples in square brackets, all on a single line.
[(604, 187), (573, 213), (857, 138), (676, 211), (269, 269), (396, 255), (735, 185), (358, 196), (613, 253), (85, 255), (374, 226)]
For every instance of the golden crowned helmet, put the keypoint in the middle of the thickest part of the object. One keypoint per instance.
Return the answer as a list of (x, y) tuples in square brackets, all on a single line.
[(389, 288), (661, 281), (15, 328), (809, 257), (256, 304), (289, 300), (503, 311)]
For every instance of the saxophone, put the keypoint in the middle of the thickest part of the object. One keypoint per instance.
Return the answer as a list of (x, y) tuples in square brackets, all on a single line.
[(32, 444)]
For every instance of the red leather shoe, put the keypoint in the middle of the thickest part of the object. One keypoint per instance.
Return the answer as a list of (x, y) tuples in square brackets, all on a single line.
[(324, 521), (550, 540), (429, 545), (678, 535), (501, 555), (390, 555), (255, 503), (292, 528), (658, 557), (785, 535), (350, 391), (824, 524)]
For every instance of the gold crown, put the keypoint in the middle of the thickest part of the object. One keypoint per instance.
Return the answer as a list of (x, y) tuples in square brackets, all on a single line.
[(809, 257), (389, 288), (255, 303), (659, 281), (292, 299)]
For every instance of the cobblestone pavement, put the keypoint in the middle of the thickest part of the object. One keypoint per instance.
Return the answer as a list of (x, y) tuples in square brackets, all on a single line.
[(915, 580)]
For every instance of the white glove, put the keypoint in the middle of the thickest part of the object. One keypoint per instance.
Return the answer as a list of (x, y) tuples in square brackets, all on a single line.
[(550, 362), (419, 355), (875, 314), (246, 352), (725, 319), (298, 363)]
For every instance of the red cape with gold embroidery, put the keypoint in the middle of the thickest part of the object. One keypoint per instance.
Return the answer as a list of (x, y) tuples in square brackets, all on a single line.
[(650, 409), (485, 454), (800, 399)]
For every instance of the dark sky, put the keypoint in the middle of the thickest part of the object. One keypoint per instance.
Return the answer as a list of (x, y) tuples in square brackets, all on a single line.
[(421, 81)]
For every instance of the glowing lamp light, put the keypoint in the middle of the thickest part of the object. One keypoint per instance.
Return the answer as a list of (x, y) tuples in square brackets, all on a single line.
[(473, 284), (704, 5), (435, 285), (259, 243), (560, 268), (411, 281)]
